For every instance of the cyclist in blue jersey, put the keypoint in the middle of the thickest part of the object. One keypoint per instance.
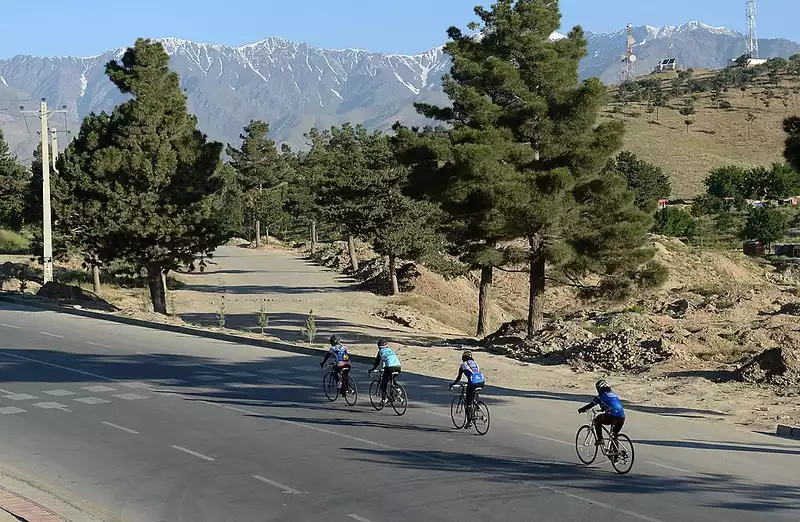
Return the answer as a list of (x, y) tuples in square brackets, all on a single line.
[(613, 413), (475, 381), (391, 364), (341, 364)]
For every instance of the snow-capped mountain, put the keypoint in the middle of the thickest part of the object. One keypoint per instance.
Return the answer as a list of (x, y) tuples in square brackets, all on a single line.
[(295, 86)]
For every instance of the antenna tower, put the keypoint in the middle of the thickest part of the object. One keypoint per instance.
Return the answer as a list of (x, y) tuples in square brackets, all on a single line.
[(629, 59), (752, 40)]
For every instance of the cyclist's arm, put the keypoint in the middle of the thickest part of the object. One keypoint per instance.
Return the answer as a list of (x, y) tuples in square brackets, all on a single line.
[(460, 373), (377, 362), (592, 404), (327, 356)]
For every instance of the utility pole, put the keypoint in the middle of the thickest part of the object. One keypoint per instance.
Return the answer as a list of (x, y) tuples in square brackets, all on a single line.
[(47, 226)]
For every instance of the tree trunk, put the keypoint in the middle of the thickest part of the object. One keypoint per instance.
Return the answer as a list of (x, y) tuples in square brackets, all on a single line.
[(393, 275), (351, 246), (487, 275), (536, 299), (96, 278), (155, 282), (258, 233), (313, 237), (266, 238)]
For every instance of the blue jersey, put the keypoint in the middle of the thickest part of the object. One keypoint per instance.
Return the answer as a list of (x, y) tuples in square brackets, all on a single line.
[(340, 352), (388, 357), (610, 403), (473, 372)]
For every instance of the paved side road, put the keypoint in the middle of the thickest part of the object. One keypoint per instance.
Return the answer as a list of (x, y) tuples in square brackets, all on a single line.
[(158, 426)]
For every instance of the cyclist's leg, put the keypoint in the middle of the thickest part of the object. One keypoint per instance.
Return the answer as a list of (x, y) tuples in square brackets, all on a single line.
[(599, 421), (387, 374), (345, 373), (616, 426), (469, 400)]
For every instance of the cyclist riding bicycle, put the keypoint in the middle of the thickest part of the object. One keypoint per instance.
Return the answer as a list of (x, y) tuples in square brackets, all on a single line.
[(391, 364), (475, 381), (613, 413), (342, 361)]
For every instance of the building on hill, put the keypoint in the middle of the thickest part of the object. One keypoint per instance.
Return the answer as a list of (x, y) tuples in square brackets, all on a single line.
[(667, 64), (751, 62)]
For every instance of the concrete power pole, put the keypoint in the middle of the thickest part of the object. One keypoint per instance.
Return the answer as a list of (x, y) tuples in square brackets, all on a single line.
[(47, 226)]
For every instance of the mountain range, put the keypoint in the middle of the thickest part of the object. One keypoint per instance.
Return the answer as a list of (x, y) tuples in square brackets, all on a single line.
[(295, 86)]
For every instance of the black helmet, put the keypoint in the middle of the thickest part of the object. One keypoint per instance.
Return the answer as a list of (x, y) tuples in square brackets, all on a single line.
[(602, 384), (466, 356), (382, 343), (334, 340)]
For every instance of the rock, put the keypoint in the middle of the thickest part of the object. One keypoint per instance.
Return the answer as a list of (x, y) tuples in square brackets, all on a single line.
[(790, 309), (778, 366), (678, 308), (73, 294)]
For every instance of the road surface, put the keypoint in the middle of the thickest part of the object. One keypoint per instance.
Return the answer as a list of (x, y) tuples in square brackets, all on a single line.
[(158, 426)]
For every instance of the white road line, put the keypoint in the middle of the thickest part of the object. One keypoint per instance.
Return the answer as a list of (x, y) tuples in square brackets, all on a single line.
[(20, 397), (194, 453), (91, 400), (673, 468), (121, 428), (360, 519), (98, 388), (59, 393), (11, 409), (11, 326), (286, 489), (547, 438), (101, 345), (52, 335), (130, 396), (438, 414), (53, 406), (5, 391), (58, 366)]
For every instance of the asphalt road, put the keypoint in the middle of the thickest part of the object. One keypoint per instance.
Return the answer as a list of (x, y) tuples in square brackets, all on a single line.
[(157, 426)]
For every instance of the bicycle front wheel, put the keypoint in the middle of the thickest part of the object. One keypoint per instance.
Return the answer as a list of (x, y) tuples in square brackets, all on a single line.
[(481, 420), (458, 412), (351, 397), (329, 385), (623, 459), (585, 444), (399, 400), (375, 395)]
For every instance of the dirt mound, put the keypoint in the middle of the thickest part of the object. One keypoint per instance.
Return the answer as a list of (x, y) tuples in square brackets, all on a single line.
[(778, 366), (623, 351), (72, 294), (336, 255)]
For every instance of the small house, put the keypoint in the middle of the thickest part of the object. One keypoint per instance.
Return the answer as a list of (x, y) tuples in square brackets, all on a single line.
[(667, 64), (753, 248)]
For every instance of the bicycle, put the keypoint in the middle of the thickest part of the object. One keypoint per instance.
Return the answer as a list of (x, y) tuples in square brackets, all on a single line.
[(332, 388), (458, 411), (395, 393), (619, 450)]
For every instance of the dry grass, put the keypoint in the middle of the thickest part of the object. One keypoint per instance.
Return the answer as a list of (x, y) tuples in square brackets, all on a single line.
[(718, 136)]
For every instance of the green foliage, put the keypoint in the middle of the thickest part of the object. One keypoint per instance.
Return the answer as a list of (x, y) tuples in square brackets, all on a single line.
[(407, 228), (774, 182), (139, 184), (648, 182), (791, 149), (14, 183), (11, 242), (766, 224), (309, 331), (675, 222)]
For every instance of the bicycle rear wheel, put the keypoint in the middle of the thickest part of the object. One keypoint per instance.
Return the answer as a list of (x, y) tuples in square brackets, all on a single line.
[(352, 391), (585, 445), (399, 400), (329, 385), (375, 395), (623, 459), (481, 419), (458, 412)]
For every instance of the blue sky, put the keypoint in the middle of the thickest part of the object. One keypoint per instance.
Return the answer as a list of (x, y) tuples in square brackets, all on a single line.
[(87, 27)]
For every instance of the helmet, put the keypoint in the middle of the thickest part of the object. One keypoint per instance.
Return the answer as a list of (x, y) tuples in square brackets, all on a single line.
[(602, 384), (382, 343), (334, 340), (466, 356)]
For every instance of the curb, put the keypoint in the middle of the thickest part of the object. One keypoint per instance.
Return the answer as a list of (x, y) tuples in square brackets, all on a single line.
[(26, 509), (208, 334), (788, 431)]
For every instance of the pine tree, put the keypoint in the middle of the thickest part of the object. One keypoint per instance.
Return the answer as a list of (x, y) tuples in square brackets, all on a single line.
[(523, 89), (14, 183), (648, 182), (149, 170)]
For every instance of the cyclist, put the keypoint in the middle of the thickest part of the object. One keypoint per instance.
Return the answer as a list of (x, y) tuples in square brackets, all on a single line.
[(475, 381), (391, 364), (342, 361), (613, 413)]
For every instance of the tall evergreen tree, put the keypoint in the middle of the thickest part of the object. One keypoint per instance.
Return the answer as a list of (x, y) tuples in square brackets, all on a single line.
[(648, 182), (524, 87), (14, 183), (150, 171)]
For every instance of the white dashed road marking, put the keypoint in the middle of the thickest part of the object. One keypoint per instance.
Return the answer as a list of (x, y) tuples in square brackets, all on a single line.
[(194, 453), (59, 393), (20, 397), (274, 371), (306, 368), (278, 382), (669, 467), (99, 388), (286, 489), (91, 400), (11, 326), (101, 345), (130, 396), (360, 519), (8, 410), (121, 428), (52, 335), (135, 385), (52, 406), (547, 438)]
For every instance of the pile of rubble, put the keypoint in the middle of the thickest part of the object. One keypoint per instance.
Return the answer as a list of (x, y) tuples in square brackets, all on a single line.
[(619, 351), (777, 366), (18, 277)]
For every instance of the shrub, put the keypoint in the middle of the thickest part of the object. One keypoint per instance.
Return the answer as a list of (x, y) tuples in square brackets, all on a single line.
[(675, 222)]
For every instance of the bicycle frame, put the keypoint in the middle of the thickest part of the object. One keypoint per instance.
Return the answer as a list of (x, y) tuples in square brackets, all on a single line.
[(608, 438)]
